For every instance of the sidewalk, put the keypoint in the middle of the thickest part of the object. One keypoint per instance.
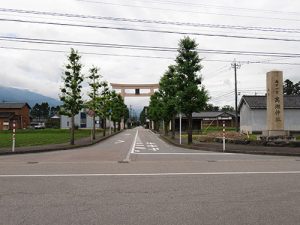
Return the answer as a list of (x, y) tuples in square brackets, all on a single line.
[(235, 148), (83, 142)]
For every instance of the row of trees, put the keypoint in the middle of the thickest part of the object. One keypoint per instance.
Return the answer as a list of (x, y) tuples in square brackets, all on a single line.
[(180, 89), (43, 111), (102, 101), (289, 88)]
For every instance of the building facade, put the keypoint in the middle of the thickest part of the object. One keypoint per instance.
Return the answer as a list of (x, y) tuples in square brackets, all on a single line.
[(203, 120), (11, 112), (253, 114), (82, 121)]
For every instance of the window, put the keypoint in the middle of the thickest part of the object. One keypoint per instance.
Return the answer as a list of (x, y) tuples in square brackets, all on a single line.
[(82, 120)]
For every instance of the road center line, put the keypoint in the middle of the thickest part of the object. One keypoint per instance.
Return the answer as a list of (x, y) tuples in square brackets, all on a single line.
[(131, 150), (149, 174)]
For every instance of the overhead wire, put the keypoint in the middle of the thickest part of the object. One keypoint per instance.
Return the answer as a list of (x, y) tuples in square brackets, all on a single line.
[(161, 22), (151, 30), (146, 47), (188, 11), (217, 6)]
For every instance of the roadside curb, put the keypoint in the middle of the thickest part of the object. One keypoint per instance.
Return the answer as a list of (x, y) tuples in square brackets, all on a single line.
[(57, 147), (215, 147)]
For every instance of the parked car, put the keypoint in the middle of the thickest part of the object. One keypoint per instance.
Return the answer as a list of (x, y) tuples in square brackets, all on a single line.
[(38, 125)]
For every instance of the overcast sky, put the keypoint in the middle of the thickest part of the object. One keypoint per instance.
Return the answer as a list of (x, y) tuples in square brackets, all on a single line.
[(41, 71)]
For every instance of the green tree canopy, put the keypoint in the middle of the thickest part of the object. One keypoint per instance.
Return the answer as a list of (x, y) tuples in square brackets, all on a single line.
[(211, 107), (289, 88), (168, 88), (71, 90), (227, 108), (192, 97), (93, 103), (155, 110)]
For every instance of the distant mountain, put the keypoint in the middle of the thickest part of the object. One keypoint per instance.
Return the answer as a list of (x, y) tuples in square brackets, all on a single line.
[(9, 94)]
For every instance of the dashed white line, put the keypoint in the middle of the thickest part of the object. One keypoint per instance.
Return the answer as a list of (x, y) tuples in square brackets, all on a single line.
[(150, 174)]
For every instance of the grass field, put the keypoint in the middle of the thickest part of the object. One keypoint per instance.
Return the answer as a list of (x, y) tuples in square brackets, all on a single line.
[(40, 137)]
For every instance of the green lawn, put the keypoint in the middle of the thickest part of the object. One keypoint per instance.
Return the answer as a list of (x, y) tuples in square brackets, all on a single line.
[(40, 137)]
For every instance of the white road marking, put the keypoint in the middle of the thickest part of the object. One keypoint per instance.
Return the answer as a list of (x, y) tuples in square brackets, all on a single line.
[(187, 153), (119, 141), (137, 150), (127, 134), (131, 150), (149, 174)]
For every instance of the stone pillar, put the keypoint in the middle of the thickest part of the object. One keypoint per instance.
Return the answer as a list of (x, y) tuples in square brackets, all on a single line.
[(275, 109), (123, 92), (151, 91), (122, 124)]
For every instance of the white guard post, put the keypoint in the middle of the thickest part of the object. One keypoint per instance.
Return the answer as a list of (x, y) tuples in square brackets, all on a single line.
[(180, 128), (14, 136), (224, 136)]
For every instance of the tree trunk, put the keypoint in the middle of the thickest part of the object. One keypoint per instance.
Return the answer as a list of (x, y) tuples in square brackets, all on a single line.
[(115, 127), (72, 130), (173, 126), (157, 126), (190, 129), (94, 127), (119, 125), (166, 128), (104, 127)]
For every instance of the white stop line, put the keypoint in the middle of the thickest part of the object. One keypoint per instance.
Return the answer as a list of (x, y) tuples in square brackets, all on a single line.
[(151, 174)]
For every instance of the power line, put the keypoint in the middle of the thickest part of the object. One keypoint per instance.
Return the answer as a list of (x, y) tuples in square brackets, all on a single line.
[(161, 22), (87, 53), (147, 47), (218, 6), (134, 56), (150, 30), (224, 95), (220, 71), (188, 11)]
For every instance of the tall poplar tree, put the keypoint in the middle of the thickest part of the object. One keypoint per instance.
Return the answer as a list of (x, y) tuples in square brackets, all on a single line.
[(71, 91), (168, 90), (192, 97), (93, 103), (155, 110), (104, 104)]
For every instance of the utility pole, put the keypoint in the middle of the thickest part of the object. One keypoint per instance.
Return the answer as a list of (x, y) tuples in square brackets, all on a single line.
[(236, 66)]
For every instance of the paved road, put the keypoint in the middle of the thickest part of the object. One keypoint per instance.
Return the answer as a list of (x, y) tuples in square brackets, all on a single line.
[(161, 184)]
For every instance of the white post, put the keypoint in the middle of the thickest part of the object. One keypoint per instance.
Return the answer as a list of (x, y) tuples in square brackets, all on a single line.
[(92, 135), (110, 124), (223, 136), (179, 128), (14, 136)]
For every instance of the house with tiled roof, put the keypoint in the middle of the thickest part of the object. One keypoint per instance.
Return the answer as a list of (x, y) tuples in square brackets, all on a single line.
[(11, 112), (202, 120), (253, 113)]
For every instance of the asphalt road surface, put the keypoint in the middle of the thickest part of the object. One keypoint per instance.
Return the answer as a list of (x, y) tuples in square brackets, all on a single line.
[(160, 184)]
